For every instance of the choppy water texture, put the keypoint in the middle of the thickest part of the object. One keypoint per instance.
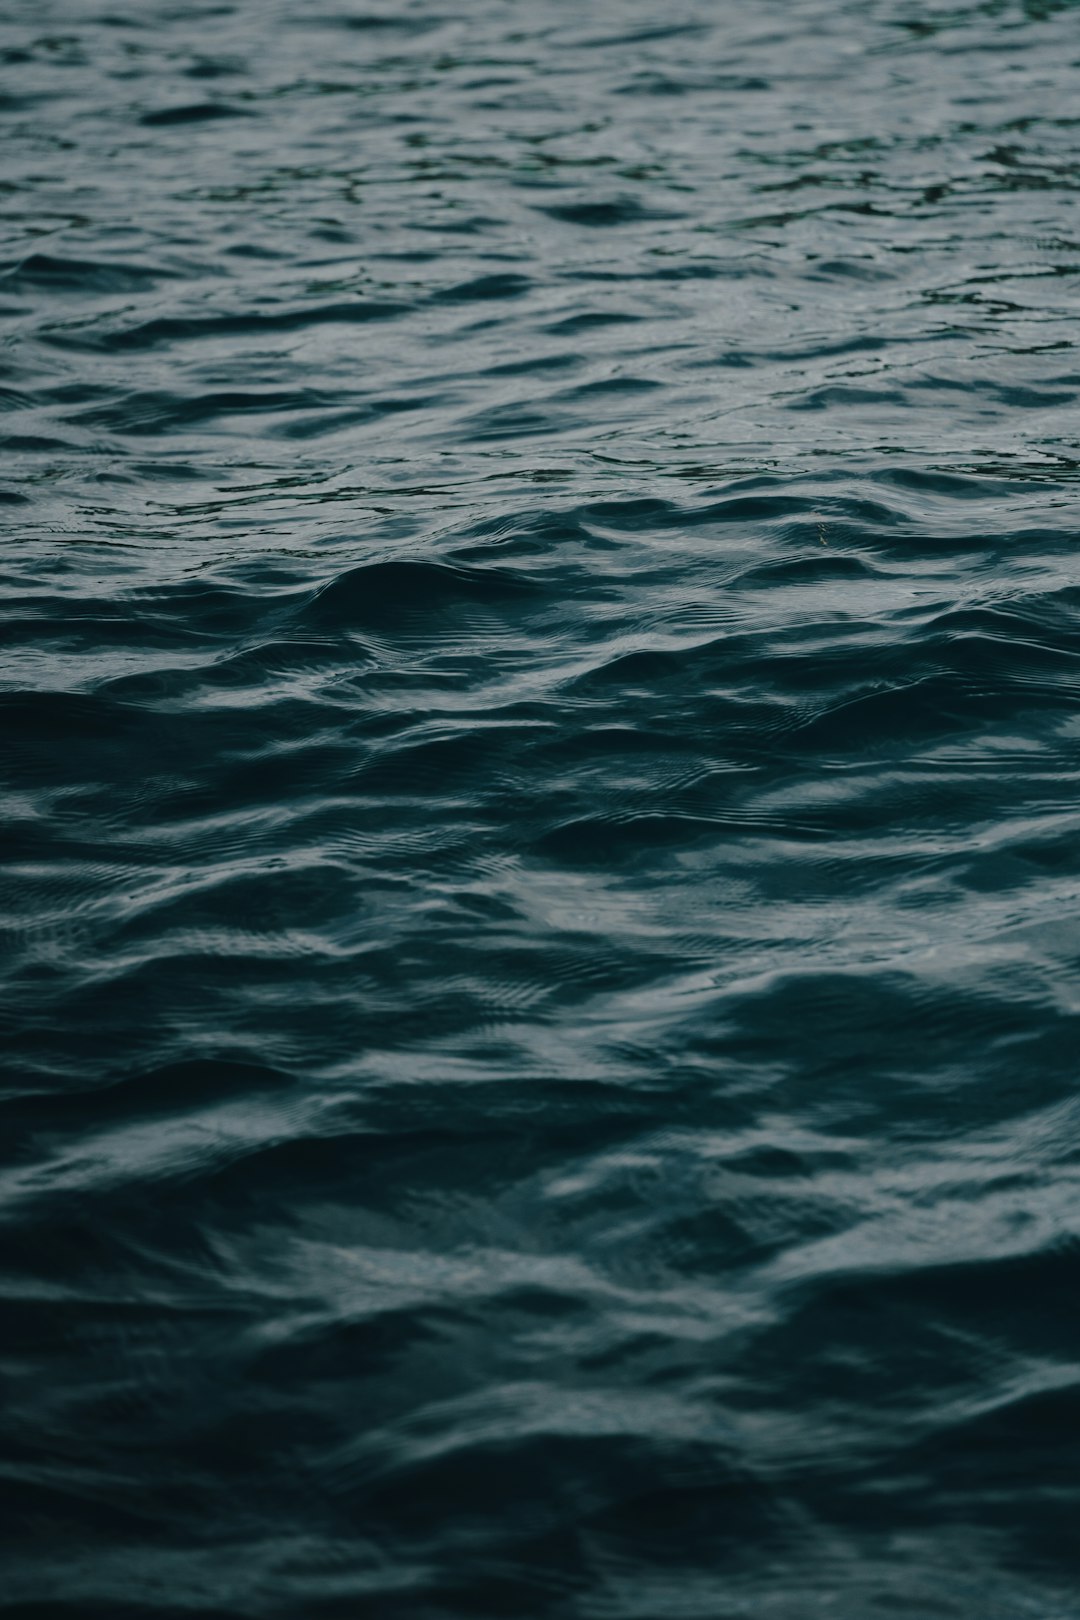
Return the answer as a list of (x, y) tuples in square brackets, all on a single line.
[(540, 900)]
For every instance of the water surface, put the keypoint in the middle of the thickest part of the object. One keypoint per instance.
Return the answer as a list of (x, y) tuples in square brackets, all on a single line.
[(540, 696)]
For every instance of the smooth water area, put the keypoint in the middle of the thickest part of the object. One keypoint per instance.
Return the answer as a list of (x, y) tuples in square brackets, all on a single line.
[(540, 724)]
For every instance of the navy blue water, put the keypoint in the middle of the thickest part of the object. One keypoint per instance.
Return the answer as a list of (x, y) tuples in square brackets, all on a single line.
[(541, 897)]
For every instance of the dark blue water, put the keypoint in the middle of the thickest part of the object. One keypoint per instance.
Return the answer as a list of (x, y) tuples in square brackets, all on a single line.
[(540, 715)]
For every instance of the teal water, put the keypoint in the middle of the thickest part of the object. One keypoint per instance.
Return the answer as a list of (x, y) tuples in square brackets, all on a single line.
[(540, 698)]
